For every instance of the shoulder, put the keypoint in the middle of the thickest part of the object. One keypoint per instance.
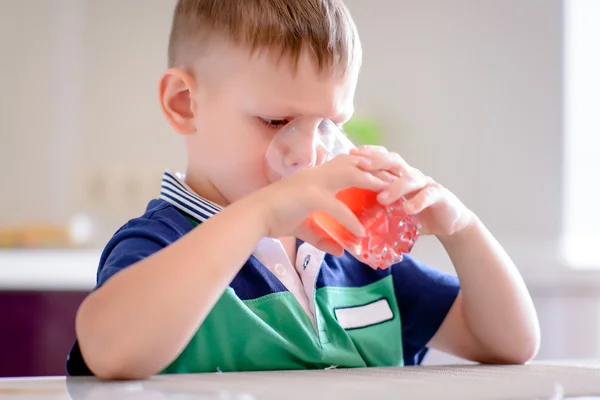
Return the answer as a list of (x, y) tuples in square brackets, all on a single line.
[(160, 218), (159, 226)]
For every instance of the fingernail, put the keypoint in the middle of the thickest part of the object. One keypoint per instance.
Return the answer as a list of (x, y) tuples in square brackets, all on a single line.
[(363, 232), (383, 196)]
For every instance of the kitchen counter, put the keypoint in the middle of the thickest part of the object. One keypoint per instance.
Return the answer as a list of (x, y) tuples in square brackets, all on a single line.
[(48, 269), (40, 291)]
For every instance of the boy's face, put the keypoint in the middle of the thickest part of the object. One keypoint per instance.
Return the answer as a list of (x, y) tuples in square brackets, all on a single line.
[(238, 105)]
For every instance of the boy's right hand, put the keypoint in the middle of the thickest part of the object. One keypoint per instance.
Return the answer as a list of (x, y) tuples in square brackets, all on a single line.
[(288, 203)]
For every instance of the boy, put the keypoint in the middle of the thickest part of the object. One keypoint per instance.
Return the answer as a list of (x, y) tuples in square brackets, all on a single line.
[(199, 284)]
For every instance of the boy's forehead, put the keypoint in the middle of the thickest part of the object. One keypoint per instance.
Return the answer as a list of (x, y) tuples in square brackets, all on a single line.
[(284, 87)]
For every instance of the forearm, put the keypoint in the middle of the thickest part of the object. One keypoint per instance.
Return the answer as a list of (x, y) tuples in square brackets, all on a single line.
[(496, 304), (139, 320)]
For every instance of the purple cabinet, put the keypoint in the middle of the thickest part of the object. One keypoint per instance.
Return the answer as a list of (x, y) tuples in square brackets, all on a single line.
[(36, 331)]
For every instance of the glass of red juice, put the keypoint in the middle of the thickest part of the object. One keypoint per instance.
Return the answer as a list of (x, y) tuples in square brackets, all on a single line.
[(390, 232)]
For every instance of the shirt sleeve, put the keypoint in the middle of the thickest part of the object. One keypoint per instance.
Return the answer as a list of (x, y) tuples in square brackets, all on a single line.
[(424, 296), (131, 245), (135, 241)]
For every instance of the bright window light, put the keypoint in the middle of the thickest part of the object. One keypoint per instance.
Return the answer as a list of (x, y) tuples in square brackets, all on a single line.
[(580, 247)]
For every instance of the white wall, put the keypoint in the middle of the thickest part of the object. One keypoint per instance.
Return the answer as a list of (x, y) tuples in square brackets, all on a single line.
[(470, 91), (79, 81)]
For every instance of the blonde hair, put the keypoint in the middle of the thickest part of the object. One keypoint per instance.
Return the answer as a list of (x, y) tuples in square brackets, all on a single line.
[(324, 28)]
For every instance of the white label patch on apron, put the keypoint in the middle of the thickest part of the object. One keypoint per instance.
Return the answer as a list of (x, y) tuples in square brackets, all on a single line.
[(365, 315)]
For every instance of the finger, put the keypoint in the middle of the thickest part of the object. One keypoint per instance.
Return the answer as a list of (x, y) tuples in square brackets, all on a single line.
[(347, 176), (385, 176), (401, 188), (390, 162), (381, 160), (312, 233), (347, 173), (370, 148), (330, 246), (342, 214), (365, 180), (415, 173), (426, 197)]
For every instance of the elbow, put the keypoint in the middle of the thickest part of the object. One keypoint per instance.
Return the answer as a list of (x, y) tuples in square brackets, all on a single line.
[(111, 364), (528, 350), (509, 349), (528, 347), (520, 357), (107, 368), (521, 351), (107, 356), (113, 374)]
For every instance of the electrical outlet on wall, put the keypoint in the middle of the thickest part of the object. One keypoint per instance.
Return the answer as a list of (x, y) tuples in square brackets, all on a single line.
[(131, 188), (117, 189), (112, 195), (151, 179), (91, 189), (92, 201), (128, 191)]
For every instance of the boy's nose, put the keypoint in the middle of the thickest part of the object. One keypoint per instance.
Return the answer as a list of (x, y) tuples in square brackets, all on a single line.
[(297, 146), (301, 155)]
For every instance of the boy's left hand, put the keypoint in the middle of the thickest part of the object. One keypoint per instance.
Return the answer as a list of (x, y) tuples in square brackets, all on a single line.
[(439, 211)]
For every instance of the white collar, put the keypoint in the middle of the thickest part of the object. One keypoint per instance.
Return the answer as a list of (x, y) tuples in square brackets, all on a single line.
[(175, 191)]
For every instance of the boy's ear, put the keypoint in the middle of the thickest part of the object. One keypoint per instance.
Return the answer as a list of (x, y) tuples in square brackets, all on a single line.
[(176, 91)]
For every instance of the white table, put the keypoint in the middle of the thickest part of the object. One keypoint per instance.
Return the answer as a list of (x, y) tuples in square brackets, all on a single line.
[(538, 381)]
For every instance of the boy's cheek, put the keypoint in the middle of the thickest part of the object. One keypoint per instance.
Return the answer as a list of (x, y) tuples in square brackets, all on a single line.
[(271, 176), (322, 156)]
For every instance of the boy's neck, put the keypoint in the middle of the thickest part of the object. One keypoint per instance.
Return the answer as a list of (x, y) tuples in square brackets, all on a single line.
[(203, 187)]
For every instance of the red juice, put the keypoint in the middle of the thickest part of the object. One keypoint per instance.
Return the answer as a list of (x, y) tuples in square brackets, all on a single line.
[(390, 232)]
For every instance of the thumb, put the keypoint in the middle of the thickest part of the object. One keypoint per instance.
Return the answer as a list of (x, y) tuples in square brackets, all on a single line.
[(311, 233), (330, 246)]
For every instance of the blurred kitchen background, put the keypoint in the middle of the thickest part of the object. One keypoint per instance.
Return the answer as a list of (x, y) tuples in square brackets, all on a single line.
[(499, 100)]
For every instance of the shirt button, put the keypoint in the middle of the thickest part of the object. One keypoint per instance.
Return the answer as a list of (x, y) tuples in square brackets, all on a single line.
[(306, 261), (280, 269)]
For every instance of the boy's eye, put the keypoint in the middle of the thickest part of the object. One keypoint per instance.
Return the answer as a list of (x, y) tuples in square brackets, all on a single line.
[(275, 123)]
